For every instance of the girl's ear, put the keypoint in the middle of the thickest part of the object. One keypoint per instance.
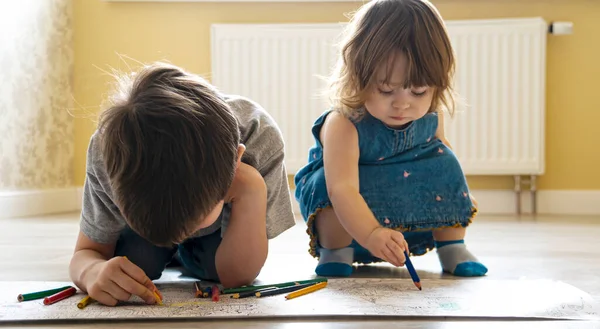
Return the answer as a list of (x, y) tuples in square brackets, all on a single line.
[(240, 151)]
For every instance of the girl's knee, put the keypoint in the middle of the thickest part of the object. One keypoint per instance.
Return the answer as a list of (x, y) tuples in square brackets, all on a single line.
[(449, 233), (330, 232)]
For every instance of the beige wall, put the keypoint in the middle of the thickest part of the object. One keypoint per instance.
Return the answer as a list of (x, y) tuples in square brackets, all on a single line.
[(36, 130), (179, 32)]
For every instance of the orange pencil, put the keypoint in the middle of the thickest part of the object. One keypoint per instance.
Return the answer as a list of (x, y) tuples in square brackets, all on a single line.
[(198, 290), (306, 290)]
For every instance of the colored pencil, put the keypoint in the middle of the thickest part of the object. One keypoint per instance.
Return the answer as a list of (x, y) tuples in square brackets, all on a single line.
[(60, 296), (251, 293), (413, 273), (215, 293), (157, 294), (277, 285), (306, 290), (40, 294), (84, 302), (198, 292), (158, 298), (279, 291)]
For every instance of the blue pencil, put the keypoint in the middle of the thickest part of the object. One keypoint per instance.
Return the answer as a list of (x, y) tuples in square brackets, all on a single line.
[(411, 270)]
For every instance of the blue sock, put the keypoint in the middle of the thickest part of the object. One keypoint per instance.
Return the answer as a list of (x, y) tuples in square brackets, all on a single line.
[(335, 262), (457, 260)]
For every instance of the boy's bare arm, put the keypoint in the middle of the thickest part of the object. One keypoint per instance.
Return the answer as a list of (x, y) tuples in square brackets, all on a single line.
[(87, 254), (244, 248)]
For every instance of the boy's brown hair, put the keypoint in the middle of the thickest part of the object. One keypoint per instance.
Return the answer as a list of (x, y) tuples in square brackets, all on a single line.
[(377, 31), (169, 143)]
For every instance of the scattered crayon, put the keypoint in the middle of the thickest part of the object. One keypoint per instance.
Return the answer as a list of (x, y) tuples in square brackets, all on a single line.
[(60, 296), (206, 292), (306, 290), (40, 294), (84, 302)]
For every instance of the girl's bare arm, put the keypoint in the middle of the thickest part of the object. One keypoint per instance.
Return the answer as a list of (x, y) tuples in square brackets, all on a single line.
[(340, 156)]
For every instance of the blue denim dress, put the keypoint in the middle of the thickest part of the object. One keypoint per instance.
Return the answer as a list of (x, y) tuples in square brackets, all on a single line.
[(410, 180)]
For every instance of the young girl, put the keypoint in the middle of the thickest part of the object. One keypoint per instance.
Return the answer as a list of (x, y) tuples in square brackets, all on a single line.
[(381, 164)]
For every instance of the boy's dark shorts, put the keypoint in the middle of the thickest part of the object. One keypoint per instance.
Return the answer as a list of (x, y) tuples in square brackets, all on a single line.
[(196, 255)]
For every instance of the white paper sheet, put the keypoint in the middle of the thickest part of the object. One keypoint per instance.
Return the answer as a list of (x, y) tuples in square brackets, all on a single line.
[(471, 298)]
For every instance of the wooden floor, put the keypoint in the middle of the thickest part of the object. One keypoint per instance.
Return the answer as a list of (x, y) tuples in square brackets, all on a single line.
[(563, 248)]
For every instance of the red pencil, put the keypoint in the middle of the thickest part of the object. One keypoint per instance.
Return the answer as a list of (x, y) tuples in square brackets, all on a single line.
[(215, 293), (60, 296)]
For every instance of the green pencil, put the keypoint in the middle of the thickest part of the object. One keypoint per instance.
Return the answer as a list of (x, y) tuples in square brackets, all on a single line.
[(279, 291), (40, 294), (276, 285)]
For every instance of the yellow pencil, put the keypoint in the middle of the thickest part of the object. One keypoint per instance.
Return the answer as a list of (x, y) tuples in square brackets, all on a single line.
[(158, 300), (156, 295), (84, 302), (306, 290)]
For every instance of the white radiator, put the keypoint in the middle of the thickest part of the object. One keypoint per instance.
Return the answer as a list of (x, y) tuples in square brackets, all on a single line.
[(500, 75)]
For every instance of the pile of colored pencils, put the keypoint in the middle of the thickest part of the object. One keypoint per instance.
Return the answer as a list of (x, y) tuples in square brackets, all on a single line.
[(293, 289), (204, 292)]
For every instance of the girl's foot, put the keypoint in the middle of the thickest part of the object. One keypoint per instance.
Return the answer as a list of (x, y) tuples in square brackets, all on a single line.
[(457, 260), (335, 262)]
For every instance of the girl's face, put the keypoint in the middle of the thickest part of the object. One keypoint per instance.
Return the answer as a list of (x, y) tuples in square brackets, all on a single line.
[(392, 104)]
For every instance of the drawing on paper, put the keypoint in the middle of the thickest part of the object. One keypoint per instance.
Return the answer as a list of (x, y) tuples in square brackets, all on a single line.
[(342, 297)]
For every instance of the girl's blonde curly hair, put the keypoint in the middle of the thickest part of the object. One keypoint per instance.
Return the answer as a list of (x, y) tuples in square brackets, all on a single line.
[(380, 29)]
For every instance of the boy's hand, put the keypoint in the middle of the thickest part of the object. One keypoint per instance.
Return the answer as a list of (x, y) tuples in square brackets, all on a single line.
[(388, 245), (116, 280)]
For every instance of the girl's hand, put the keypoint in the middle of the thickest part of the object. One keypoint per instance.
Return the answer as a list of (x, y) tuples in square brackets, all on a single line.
[(388, 245)]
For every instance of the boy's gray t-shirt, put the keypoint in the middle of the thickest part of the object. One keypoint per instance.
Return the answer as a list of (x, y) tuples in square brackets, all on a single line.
[(102, 222)]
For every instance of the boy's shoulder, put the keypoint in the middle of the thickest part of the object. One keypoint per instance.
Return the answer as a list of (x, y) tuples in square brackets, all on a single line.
[(101, 219), (265, 151), (246, 108), (259, 131), (252, 117)]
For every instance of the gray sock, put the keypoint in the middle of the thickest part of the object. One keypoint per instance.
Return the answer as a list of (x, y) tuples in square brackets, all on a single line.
[(335, 262), (456, 259)]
